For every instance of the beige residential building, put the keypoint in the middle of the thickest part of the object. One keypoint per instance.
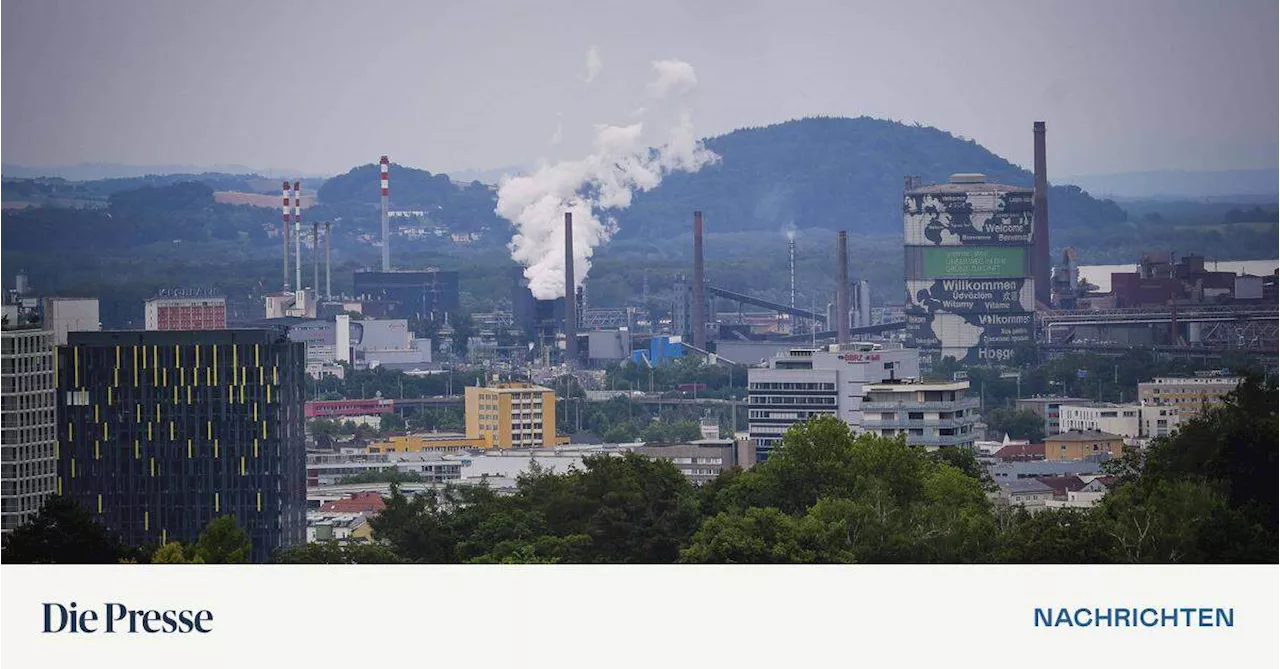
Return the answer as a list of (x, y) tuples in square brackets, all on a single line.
[(512, 415), (1191, 395)]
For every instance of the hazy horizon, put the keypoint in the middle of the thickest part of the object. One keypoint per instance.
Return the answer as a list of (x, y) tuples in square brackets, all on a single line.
[(319, 87)]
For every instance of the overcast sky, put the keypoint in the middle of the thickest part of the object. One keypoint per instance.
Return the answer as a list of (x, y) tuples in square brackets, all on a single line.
[(323, 86)]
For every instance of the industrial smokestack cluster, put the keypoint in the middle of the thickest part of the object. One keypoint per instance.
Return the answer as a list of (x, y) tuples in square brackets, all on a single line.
[(570, 296), (386, 230), (284, 232), (1040, 261), (297, 233), (699, 287), (842, 287)]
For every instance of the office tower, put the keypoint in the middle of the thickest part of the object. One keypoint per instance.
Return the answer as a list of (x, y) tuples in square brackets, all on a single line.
[(29, 442), (162, 432), (806, 382)]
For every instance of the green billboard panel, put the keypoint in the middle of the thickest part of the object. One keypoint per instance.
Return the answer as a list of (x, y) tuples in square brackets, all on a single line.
[(974, 262)]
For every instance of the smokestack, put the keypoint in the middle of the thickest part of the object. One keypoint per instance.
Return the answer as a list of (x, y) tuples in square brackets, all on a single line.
[(791, 254), (570, 296), (386, 230), (315, 256), (699, 287), (842, 287), (1040, 261), (297, 234), (284, 232), (328, 261)]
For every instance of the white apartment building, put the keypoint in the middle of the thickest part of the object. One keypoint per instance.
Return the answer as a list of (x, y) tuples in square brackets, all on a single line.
[(1120, 419), (27, 433), (1159, 420), (806, 382), (930, 415)]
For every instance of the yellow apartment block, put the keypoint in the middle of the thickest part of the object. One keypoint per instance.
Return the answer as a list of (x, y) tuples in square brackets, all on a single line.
[(415, 443), (1081, 444), (513, 415)]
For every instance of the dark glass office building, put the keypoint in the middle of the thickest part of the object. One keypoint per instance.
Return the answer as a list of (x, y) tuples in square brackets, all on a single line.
[(161, 432), (425, 294)]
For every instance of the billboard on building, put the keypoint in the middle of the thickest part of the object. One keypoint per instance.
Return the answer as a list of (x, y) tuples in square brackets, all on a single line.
[(959, 219), (974, 262), (971, 295)]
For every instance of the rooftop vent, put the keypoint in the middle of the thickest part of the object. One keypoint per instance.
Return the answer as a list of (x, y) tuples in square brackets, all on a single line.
[(968, 178)]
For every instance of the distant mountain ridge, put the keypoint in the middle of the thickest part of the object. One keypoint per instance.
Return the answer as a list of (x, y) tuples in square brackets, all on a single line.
[(1182, 184), (100, 171)]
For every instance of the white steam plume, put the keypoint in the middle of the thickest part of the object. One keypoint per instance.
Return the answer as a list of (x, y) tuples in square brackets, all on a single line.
[(594, 64), (674, 75), (558, 135), (618, 166)]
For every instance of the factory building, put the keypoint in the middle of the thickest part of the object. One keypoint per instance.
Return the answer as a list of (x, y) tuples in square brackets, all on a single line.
[(162, 432), (806, 382), (427, 294), (969, 269), (29, 441)]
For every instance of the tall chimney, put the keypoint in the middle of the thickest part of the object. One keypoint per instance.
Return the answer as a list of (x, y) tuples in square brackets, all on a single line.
[(315, 256), (570, 296), (328, 261), (842, 287), (297, 234), (284, 232), (386, 230), (1040, 261), (699, 287)]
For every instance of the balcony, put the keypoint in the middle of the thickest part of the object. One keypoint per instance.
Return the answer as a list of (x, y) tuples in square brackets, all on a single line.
[(966, 403), (954, 440), (871, 423)]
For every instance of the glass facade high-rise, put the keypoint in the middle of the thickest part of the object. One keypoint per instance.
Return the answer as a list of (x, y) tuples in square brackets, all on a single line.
[(27, 439), (162, 432)]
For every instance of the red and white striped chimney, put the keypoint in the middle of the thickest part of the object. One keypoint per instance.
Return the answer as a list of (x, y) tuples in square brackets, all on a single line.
[(297, 233), (386, 230), (284, 232)]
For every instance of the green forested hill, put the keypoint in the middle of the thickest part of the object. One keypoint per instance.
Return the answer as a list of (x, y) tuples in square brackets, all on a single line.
[(834, 173), (460, 207)]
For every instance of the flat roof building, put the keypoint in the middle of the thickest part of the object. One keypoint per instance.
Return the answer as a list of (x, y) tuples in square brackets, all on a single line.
[(1193, 394), (186, 313), (930, 415), (802, 383), (1083, 445), (512, 415), (161, 432), (1048, 408), (28, 437)]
